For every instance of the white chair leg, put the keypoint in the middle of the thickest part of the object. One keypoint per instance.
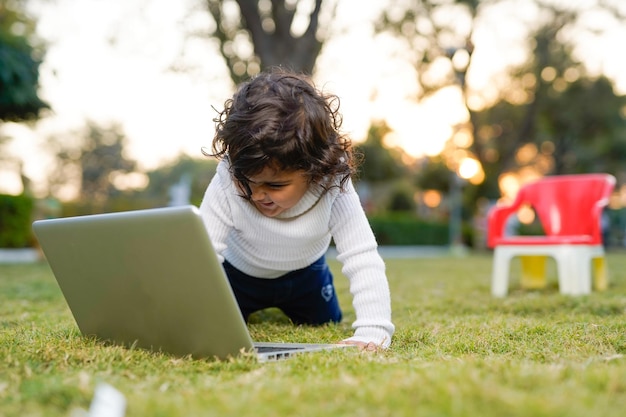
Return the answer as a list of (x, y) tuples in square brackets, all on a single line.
[(582, 258), (575, 267), (500, 274), (565, 272)]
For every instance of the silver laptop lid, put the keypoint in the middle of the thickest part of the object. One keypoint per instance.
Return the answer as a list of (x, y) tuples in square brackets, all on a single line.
[(147, 277)]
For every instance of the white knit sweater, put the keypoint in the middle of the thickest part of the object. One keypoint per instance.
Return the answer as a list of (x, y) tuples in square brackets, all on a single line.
[(266, 247)]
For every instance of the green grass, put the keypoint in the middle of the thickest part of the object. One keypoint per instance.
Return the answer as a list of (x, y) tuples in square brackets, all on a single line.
[(457, 352)]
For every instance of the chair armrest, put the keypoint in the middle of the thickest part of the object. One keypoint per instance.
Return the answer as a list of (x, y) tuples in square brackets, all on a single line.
[(596, 224), (496, 221)]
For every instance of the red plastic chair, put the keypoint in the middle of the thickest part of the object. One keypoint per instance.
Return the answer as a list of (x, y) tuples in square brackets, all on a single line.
[(569, 208)]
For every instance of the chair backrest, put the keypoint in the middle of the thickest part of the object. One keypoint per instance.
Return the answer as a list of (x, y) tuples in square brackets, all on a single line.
[(567, 205)]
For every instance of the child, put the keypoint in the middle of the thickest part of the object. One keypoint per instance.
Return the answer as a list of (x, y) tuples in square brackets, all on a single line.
[(282, 190)]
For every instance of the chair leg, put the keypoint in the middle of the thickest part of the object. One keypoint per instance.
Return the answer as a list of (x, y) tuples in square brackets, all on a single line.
[(500, 274), (581, 276), (567, 272), (590, 270), (580, 269), (533, 271)]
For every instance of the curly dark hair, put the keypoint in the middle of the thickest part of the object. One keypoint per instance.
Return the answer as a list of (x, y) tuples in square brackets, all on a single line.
[(279, 119)]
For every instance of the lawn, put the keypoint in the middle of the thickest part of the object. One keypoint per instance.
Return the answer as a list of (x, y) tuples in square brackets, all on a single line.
[(457, 352)]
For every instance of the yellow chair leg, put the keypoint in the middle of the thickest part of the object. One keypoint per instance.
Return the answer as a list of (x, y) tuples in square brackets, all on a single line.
[(601, 281), (533, 271)]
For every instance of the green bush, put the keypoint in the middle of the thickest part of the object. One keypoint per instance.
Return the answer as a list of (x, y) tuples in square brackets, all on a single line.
[(406, 229), (15, 221)]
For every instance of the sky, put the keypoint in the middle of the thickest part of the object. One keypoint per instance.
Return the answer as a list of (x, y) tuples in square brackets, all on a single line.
[(111, 61)]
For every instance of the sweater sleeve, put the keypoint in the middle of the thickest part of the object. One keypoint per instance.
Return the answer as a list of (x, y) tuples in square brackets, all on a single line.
[(365, 269), (216, 212)]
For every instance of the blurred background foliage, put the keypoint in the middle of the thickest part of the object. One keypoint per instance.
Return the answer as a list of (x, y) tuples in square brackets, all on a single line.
[(549, 115), (21, 53)]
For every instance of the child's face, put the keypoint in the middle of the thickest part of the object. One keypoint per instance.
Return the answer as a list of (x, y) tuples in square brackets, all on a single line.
[(274, 191)]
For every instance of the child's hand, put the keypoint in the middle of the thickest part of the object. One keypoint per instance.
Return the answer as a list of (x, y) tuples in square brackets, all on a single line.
[(363, 346)]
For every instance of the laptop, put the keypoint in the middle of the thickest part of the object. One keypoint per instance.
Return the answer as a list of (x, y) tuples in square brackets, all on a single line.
[(151, 279)]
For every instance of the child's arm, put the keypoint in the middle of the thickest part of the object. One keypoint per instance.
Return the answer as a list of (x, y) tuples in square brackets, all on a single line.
[(365, 269)]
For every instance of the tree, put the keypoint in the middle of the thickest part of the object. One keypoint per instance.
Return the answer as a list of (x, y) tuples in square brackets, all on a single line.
[(433, 174), (594, 121), (440, 36), (20, 56), (93, 159), (382, 173), (380, 164), (567, 121), (198, 173), (261, 34)]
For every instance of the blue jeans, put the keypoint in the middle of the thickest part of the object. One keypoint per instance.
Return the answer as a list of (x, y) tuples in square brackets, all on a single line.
[(306, 296)]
